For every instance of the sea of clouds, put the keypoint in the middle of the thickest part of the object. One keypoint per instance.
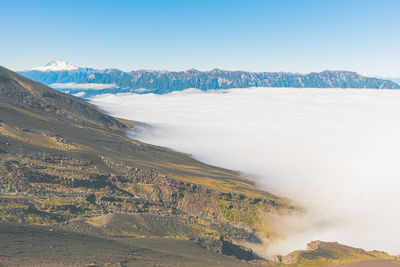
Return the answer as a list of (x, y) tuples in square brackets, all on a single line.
[(335, 151)]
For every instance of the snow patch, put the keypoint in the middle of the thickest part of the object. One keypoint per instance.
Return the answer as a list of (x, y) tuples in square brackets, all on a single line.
[(56, 65)]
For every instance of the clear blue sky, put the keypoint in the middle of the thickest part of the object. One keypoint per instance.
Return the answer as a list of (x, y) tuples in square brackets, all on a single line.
[(275, 35)]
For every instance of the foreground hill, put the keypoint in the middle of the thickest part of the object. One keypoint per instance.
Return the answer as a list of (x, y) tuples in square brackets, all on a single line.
[(43, 246), (97, 196), (163, 82), (49, 246)]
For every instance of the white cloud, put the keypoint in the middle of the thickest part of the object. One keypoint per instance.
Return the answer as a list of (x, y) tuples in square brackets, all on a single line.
[(333, 150), (141, 90), (83, 86), (79, 94)]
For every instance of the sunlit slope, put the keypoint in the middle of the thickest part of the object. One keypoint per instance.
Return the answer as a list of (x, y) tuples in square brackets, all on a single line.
[(63, 159)]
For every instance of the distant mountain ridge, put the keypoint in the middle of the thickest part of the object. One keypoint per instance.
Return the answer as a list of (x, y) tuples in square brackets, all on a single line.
[(159, 82), (396, 80)]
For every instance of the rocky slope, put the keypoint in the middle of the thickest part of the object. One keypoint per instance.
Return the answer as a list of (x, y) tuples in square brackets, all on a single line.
[(62, 160), (164, 82)]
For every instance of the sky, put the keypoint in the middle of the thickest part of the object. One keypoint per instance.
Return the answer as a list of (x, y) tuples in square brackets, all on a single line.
[(275, 35)]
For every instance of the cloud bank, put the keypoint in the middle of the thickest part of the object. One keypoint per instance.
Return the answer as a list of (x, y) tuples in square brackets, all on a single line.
[(83, 86), (334, 150)]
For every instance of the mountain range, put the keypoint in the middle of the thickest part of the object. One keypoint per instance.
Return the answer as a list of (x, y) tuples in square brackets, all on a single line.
[(71, 79), (396, 80)]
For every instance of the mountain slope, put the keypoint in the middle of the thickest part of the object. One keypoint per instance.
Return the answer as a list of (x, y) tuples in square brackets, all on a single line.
[(62, 160), (164, 82), (18, 90)]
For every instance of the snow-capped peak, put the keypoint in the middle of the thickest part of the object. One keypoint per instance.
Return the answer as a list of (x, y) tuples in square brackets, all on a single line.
[(56, 65)]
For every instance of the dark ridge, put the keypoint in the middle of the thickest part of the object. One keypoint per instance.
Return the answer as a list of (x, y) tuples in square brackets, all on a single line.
[(17, 89)]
